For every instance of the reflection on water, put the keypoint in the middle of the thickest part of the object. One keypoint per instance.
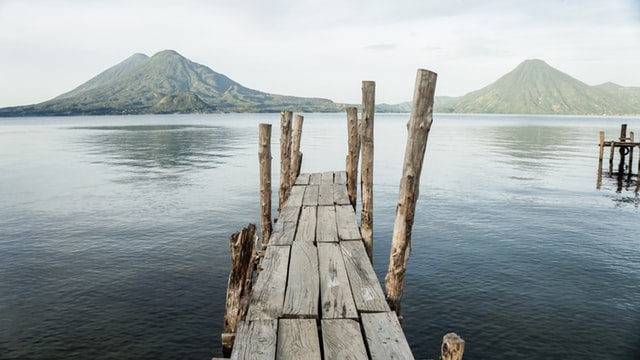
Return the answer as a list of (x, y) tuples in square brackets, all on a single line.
[(160, 152)]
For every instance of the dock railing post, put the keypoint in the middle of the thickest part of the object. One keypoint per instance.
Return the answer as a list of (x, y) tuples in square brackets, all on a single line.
[(418, 127), (366, 175), (296, 155), (264, 156), (285, 156), (354, 155), (243, 254)]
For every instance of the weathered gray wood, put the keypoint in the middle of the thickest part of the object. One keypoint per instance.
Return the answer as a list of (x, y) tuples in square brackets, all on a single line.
[(452, 347), (340, 177), (316, 179), (366, 174), (335, 292), (325, 195), (311, 193), (243, 254), (288, 214), (419, 126), (256, 340), (296, 155), (346, 223), (367, 292), (327, 177), (285, 156), (264, 157), (385, 337), (303, 286), (283, 234), (303, 179), (306, 231), (296, 196), (353, 157), (298, 339), (326, 229), (342, 339), (267, 297), (340, 195)]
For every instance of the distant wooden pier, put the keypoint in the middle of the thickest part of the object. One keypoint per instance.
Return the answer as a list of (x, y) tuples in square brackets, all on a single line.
[(625, 146), (316, 294)]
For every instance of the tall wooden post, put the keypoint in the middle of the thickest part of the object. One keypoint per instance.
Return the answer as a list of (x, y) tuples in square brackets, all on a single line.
[(419, 126), (243, 254), (452, 347), (366, 175), (285, 156), (354, 155), (622, 150), (264, 156), (296, 155), (631, 139), (600, 158)]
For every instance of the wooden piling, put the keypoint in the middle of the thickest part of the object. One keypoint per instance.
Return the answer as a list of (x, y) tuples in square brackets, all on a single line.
[(452, 347), (285, 156), (630, 167), (264, 156), (243, 254), (296, 155), (419, 126), (622, 150), (366, 175), (354, 155), (600, 158)]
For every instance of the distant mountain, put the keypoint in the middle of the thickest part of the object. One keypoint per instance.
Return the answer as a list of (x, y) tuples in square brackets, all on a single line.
[(167, 82), (534, 87)]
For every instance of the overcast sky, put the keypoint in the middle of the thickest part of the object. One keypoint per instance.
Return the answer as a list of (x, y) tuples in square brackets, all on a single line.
[(322, 48)]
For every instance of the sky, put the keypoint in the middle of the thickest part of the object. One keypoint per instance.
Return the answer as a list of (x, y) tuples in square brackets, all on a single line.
[(318, 48)]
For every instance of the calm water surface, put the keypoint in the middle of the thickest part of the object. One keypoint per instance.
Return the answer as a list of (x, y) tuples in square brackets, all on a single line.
[(114, 233)]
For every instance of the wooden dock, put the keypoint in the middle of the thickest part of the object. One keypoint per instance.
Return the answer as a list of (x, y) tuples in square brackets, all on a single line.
[(625, 146), (316, 295)]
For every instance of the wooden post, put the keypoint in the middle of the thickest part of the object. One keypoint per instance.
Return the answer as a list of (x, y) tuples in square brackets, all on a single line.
[(622, 150), (296, 155), (419, 126), (264, 156), (452, 347), (285, 156), (366, 175), (354, 155), (243, 254), (600, 157), (631, 139), (638, 174)]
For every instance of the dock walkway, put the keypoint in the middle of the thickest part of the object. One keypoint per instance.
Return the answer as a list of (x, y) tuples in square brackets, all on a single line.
[(316, 295)]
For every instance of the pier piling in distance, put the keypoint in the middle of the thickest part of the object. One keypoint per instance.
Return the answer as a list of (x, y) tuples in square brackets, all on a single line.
[(366, 175), (418, 126), (264, 157)]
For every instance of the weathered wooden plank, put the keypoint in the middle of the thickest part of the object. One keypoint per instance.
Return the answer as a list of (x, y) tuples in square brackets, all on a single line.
[(335, 292), (283, 234), (311, 193), (340, 195), (267, 297), (287, 214), (298, 339), (340, 177), (325, 195), (326, 230), (303, 179), (303, 285), (385, 337), (347, 224), (342, 339), (367, 292), (295, 196), (316, 179), (307, 225), (256, 340), (327, 178)]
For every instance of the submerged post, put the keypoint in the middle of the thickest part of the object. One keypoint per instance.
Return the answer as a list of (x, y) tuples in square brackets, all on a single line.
[(452, 347), (285, 156), (418, 126), (243, 254), (354, 155), (264, 156), (296, 155), (366, 175)]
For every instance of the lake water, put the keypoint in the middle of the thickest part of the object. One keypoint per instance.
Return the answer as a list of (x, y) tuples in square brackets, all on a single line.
[(114, 233)]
